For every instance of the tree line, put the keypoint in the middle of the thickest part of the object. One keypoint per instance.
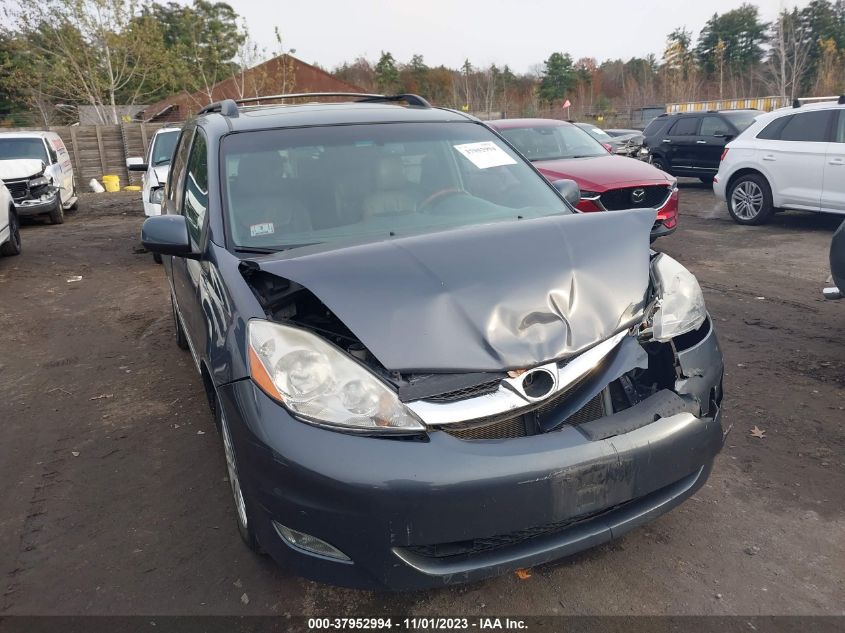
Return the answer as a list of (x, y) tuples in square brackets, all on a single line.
[(735, 55), (56, 55)]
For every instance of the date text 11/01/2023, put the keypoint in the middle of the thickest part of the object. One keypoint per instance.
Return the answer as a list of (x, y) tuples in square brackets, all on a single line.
[(418, 623)]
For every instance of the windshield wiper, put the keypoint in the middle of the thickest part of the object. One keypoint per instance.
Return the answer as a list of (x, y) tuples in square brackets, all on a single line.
[(257, 251)]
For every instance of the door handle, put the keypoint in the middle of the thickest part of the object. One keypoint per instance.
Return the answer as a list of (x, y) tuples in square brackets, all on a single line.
[(701, 142), (769, 157), (666, 140), (837, 161)]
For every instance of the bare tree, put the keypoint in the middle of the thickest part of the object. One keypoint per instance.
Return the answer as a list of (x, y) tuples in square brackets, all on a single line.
[(789, 54)]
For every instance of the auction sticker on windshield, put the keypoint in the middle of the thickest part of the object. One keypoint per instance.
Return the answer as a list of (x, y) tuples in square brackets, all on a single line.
[(485, 154)]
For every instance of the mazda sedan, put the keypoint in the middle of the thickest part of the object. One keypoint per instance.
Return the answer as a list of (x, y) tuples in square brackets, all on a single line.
[(426, 368)]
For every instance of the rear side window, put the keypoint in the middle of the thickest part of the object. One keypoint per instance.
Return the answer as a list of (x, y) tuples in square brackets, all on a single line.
[(808, 126), (839, 137), (772, 131), (688, 126), (656, 125), (714, 126), (195, 199)]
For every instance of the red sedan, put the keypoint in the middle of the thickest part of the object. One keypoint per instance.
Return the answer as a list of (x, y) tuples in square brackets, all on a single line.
[(607, 182)]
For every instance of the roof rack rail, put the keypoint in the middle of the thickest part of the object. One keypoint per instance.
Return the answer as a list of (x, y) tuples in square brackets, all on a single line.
[(361, 97), (226, 107), (797, 103), (841, 100)]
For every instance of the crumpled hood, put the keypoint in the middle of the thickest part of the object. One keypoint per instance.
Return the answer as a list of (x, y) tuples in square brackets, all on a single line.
[(483, 298), (20, 168)]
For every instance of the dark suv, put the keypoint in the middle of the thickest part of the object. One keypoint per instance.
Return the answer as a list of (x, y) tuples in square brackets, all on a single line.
[(691, 144), (425, 366)]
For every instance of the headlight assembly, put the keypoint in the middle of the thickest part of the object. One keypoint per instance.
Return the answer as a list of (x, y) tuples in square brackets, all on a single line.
[(39, 181), (156, 195), (680, 304), (318, 382)]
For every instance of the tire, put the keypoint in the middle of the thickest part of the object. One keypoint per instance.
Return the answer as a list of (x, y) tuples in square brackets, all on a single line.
[(707, 180), (244, 516), (750, 200), (658, 162), (157, 258), (13, 246), (57, 215), (181, 338)]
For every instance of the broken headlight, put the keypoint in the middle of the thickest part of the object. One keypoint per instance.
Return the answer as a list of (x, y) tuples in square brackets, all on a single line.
[(680, 304), (318, 382), (156, 195), (38, 182)]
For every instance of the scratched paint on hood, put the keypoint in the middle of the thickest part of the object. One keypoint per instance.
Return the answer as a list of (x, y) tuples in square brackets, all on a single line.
[(483, 298)]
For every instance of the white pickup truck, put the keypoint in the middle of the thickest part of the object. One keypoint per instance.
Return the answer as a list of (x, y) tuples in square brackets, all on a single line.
[(36, 168)]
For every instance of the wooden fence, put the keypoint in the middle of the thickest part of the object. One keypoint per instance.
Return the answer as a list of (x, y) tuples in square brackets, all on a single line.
[(97, 150)]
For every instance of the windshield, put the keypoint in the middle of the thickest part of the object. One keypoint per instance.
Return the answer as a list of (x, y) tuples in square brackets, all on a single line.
[(293, 187), (596, 132), (163, 146), (741, 118), (17, 148), (550, 142)]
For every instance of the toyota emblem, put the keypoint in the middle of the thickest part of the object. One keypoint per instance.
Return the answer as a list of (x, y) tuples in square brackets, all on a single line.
[(638, 196)]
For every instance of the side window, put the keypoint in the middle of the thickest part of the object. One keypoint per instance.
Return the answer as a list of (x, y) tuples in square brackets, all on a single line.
[(177, 168), (809, 126), (714, 126), (195, 199), (839, 137), (772, 131), (53, 158), (688, 126)]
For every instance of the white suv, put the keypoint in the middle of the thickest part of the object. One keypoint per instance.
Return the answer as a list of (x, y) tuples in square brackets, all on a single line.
[(155, 168), (793, 158)]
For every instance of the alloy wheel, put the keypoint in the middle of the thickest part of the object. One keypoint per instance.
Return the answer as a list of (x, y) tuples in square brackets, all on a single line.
[(747, 200), (232, 467)]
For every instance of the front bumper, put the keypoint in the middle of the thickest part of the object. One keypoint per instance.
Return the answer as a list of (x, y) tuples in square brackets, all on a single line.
[(390, 504), (28, 207)]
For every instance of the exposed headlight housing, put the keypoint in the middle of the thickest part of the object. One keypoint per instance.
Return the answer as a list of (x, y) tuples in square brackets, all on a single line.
[(680, 303), (320, 383), (156, 195), (38, 181)]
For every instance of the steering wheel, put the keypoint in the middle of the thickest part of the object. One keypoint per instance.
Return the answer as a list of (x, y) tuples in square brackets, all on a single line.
[(438, 197)]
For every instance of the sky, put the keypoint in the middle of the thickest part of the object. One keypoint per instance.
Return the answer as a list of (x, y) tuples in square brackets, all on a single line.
[(519, 33)]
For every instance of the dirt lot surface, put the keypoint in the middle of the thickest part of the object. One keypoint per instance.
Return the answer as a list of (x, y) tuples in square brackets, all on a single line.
[(112, 491)]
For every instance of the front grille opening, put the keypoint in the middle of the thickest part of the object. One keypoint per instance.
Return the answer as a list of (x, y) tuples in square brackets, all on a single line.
[(480, 545), (617, 199), (466, 392), (529, 423)]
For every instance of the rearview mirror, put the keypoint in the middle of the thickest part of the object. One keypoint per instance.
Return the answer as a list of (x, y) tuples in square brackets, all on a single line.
[(136, 164), (569, 190), (166, 235)]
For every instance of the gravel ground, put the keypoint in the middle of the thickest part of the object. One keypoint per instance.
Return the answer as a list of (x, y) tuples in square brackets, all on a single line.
[(112, 491)]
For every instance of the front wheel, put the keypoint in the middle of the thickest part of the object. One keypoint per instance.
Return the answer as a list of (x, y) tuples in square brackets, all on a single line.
[(243, 514), (13, 246), (157, 258), (750, 200), (57, 215), (181, 338)]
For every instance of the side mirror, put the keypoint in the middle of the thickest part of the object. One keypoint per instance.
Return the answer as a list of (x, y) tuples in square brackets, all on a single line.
[(569, 190), (136, 164), (608, 147), (166, 235)]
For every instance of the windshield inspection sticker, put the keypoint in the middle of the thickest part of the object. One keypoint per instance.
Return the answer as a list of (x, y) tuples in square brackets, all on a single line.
[(265, 228), (485, 154)]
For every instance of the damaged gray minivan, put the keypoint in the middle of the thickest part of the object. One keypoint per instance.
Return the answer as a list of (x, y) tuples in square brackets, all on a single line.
[(426, 367)]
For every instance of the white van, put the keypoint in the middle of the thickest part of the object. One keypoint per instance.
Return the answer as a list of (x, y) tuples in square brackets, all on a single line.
[(155, 168), (37, 170)]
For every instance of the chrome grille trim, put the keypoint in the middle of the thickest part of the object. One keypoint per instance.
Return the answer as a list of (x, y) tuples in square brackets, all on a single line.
[(509, 396)]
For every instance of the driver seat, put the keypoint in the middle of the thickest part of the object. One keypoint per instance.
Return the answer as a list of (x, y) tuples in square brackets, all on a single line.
[(391, 195)]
